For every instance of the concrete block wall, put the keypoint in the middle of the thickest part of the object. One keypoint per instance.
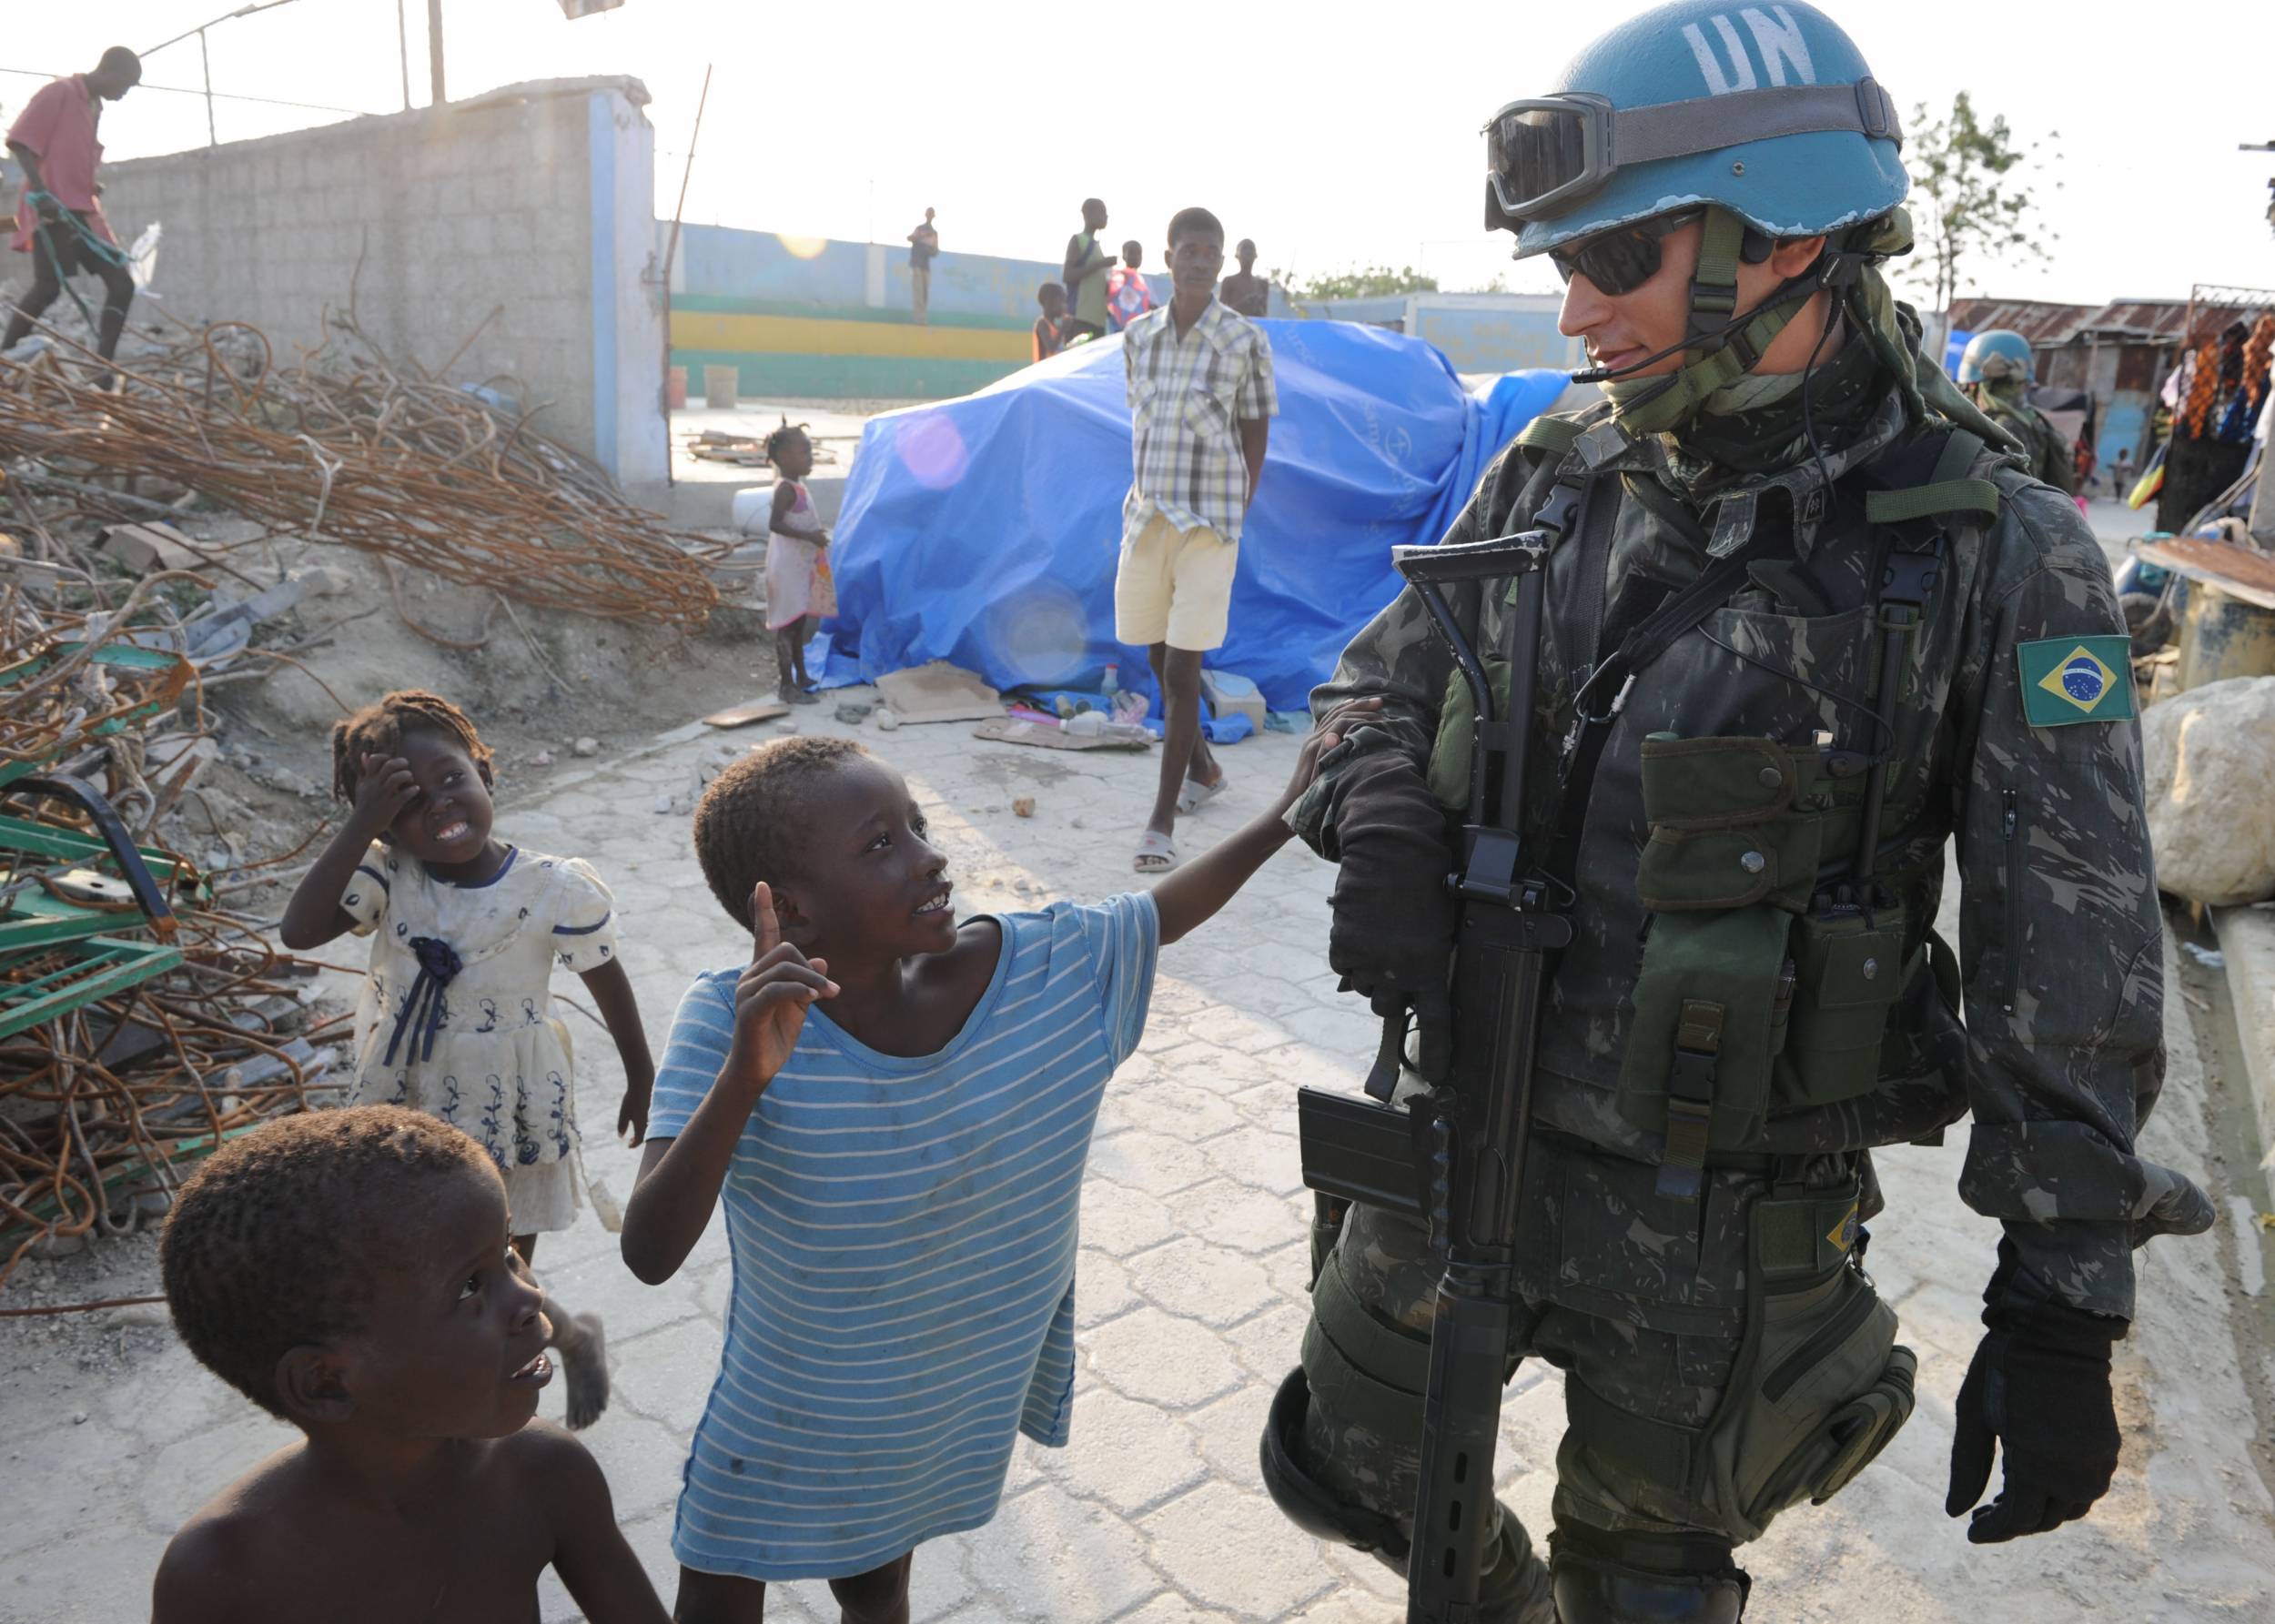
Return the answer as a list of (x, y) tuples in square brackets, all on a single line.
[(536, 202)]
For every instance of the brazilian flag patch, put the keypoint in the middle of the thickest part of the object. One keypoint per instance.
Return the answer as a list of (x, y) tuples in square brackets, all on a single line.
[(2067, 680)]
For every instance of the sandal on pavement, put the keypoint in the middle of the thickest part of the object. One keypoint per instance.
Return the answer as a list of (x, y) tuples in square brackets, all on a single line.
[(1197, 794), (1155, 855)]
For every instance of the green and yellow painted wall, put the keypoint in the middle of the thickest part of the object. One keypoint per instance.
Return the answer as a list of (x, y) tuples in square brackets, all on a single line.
[(811, 318)]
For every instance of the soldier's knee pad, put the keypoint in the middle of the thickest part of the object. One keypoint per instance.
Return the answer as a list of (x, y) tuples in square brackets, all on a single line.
[(1307, 1503), (1644, 1578)]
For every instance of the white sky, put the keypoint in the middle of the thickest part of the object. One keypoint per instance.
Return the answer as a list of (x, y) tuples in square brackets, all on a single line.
[(1332, 133)]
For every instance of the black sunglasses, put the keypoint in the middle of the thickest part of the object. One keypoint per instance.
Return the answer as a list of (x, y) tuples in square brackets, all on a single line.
[(1623, 259)]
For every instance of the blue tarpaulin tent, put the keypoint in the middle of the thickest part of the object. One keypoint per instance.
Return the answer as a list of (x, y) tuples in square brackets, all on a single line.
[(984, 531)]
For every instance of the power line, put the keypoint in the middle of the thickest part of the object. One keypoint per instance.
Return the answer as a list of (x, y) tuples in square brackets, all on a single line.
[(226, 96)]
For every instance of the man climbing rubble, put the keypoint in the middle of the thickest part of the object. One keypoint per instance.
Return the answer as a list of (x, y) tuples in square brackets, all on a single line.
[(1807, 622), (60, 221)]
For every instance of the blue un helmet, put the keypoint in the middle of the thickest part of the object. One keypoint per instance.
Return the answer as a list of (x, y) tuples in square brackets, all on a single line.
[(1769, 112), (1764, 119), (1995, 355)]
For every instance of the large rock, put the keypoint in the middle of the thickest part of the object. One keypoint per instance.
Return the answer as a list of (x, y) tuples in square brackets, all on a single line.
[(2211, 756)]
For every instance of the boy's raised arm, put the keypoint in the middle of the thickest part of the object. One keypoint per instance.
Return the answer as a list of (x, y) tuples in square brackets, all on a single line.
[(1189, 896), (680, 1177)]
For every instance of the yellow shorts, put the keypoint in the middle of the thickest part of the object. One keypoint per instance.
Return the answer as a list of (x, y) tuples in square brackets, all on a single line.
[(1175, 586)]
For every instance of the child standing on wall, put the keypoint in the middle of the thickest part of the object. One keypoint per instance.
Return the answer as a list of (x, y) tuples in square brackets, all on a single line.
[(456, 1018), (896, 1111), (800, 590)]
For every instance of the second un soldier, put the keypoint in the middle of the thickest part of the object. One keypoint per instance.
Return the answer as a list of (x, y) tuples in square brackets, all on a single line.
[(1996, 367), (1808, 623)]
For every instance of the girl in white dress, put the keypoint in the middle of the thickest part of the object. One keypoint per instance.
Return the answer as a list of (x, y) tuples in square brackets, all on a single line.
[(456, 1018), (801, 592)]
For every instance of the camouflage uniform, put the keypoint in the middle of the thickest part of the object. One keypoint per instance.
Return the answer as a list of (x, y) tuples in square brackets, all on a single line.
[(2051, 456), (1641, 1296)]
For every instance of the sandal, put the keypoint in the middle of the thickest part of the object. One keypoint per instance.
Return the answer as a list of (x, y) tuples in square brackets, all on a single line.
[(1155, 855), (1197, 794), (799, 696)]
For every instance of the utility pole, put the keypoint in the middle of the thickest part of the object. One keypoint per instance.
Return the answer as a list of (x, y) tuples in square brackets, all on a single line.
[(434, 50), (402, 50)]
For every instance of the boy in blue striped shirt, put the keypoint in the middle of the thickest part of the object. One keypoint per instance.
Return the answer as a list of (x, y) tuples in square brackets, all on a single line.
[(896, 1110)]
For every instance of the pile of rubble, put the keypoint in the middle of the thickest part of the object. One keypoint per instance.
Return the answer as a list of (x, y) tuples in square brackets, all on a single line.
[(141, 1020), (146, 524)]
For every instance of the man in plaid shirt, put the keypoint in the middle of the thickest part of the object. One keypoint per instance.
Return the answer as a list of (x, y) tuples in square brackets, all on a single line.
[(1201, 400)]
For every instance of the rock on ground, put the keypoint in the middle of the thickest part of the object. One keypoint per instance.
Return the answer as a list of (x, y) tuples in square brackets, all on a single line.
[(2210, 760)]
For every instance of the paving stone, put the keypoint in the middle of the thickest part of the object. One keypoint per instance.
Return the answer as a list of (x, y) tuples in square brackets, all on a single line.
[(1119, 1220), (1127, 1454), (1154, 1163), (1156, 1359), (1232, 1213), (1172, 1608), (1236, 1030), (1268, 1343), (628, 1307), (644, 1460), (1233, 1551), (1049, 1556), (1211, 1284), (666, 1375), (1266, 1161), (1191, 1108), (1230, 1430), (1102, 1289)]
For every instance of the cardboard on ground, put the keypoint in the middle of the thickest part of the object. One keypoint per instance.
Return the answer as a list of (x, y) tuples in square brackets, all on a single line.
[(938, 692)]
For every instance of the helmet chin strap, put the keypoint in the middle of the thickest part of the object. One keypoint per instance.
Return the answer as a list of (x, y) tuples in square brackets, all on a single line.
[(1729, 345)]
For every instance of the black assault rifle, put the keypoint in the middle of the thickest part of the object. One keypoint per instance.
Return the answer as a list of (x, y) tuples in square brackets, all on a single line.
[(1455, 1157)]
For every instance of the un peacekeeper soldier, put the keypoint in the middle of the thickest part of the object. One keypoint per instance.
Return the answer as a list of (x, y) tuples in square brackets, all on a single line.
[(1996, 367), (1753, 998)]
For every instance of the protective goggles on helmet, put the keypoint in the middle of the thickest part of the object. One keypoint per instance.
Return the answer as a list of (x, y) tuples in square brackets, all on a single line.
[(1547, 153)]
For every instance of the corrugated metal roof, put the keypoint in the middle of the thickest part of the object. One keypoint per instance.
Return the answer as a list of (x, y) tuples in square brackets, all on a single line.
[(2041, 321), (2122, 322)]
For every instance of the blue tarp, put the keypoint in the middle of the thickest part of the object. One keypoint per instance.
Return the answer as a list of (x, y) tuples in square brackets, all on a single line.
[(984, 531)]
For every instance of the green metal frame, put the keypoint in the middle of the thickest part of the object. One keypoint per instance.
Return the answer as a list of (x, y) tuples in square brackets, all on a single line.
[(36, 839), (98, 966)]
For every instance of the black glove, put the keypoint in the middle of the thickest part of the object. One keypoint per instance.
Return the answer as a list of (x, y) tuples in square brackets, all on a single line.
[(1392, 938), (2039, 1386)]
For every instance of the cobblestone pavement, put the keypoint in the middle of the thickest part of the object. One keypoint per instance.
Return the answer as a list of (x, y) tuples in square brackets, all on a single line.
[(1191, 1292)]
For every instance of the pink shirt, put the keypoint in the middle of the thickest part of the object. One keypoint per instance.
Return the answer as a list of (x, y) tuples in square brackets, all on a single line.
[(57, 126)]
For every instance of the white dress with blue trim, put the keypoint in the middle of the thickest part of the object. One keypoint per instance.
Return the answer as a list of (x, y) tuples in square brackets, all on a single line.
[(456, 1018)]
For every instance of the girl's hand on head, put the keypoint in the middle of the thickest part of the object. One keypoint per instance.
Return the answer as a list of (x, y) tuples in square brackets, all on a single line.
[(771, 998), (384, 788), (1332, 730)]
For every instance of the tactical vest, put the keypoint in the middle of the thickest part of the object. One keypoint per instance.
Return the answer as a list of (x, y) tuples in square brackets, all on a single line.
[(1755, 846)]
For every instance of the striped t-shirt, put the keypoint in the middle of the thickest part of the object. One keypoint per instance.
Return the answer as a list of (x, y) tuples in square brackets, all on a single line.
[(903, 1235)]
